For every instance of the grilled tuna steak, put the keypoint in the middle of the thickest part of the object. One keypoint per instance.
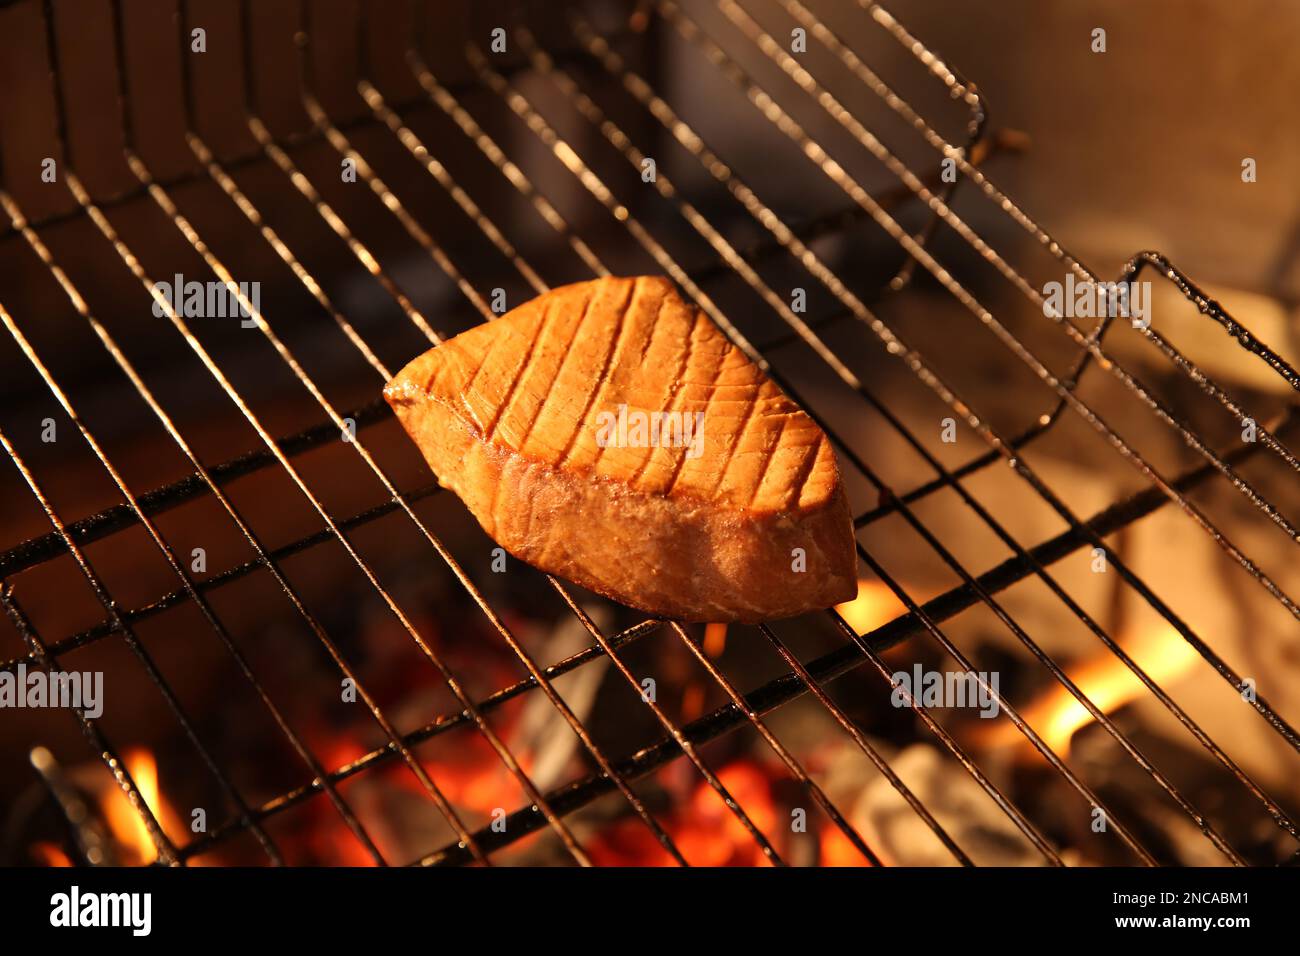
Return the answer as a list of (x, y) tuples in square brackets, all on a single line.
[(609, 433)]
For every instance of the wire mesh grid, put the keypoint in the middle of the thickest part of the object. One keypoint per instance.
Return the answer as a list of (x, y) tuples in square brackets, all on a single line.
[(571, 77)]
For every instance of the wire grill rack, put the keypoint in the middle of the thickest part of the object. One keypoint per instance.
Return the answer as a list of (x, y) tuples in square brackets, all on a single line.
[(570, 74)]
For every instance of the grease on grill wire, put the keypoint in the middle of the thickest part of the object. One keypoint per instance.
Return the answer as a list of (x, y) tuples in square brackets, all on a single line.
[(609, 433)]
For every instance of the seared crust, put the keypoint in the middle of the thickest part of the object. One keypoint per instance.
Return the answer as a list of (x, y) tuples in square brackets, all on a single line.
[(509, 417)]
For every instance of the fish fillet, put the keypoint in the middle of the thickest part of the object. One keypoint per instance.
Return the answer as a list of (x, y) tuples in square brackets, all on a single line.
[(609, 433)]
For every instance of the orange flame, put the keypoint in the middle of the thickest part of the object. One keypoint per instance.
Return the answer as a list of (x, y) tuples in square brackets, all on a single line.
[(715, 639), (1105, 680), (836, 849), (875, 605), (715, 642), (124, 823), (713, 835), (705, 831), (48, 854)]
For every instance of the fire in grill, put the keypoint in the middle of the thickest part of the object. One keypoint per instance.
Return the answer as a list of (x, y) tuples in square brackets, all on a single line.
[(1074, 640)]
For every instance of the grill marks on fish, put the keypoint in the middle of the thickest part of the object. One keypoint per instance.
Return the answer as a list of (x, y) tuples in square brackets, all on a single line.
[(500, 408), (508, 415), (684, 391), (595, 390), (533, 381), (675, 397), (641, 333), (573, 378)]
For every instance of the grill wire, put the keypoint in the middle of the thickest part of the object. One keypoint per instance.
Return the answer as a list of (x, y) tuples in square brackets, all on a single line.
[(549, 810)]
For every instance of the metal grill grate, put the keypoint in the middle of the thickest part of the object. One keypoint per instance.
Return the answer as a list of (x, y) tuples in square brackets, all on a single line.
[(681, 211)]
